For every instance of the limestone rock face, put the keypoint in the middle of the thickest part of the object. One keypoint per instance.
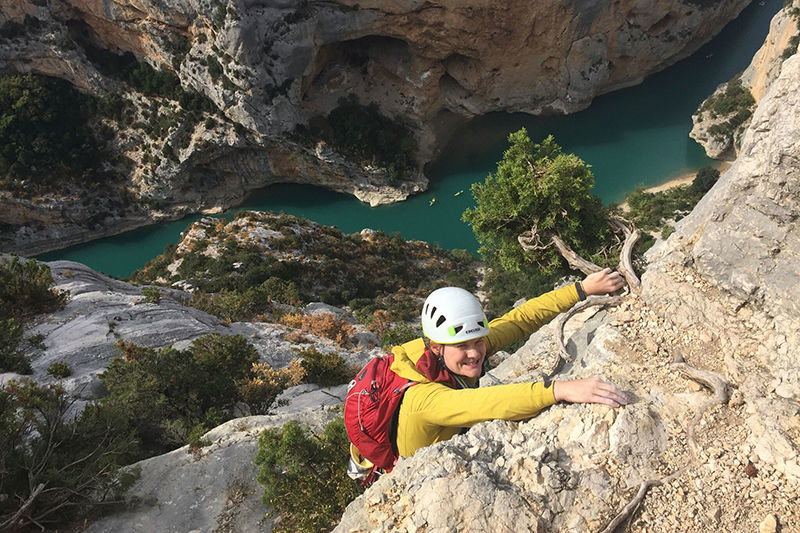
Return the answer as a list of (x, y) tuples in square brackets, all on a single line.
[(757, 77), (269, 67), (214, 489), (721, 294), (102, 311), (282, 59)]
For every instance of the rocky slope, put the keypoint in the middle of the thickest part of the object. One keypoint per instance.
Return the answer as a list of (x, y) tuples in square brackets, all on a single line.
[(781, 43), (102, 311), (720, 294), (269, 67)]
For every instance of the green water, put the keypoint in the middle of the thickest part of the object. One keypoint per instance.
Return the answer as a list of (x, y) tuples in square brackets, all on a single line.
[(636, 136)]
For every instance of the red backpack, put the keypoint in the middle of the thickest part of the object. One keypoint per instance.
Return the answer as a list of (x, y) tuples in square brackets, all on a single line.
[(372, 401)]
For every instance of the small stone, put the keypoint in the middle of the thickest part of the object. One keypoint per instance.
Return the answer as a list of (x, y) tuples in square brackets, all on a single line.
[(768, 525)]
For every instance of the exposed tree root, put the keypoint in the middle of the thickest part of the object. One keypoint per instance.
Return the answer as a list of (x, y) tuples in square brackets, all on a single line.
[(532, 241), (719, 387)]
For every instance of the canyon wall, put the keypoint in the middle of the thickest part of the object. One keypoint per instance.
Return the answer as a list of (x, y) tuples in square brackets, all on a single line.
[(271, 67)]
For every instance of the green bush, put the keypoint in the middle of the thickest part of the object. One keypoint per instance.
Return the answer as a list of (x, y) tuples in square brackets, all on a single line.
[(325, 369), (44, 133), (59, 369), (398, 334), (363, 133), (11, 358), (734, 98), (705, 178), (304, 476), (166, 393), (152, 295), (794, 40), (504, 287), (55, 467), (650, 211), (26, 289), (537, 186)]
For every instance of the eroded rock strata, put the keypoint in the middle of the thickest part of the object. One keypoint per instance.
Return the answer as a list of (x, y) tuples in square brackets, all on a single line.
[(269, 67)]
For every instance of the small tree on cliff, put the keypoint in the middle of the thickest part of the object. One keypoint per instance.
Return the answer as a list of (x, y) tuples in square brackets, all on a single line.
[(539, 197)]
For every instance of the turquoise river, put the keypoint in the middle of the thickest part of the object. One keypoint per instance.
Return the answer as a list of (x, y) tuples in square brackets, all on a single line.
[(636, 136)]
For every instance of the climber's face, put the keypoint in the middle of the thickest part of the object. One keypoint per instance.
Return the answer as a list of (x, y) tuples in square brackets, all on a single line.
[(464, 359)]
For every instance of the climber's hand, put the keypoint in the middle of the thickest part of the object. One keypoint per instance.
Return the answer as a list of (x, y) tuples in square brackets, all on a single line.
[(603, 282), (589, 390)]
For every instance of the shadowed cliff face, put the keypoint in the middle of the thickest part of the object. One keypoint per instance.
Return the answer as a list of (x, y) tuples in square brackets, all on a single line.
[(285, 61)]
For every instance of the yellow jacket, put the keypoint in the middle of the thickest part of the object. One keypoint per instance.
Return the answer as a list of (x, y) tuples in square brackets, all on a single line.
[(432, 411)]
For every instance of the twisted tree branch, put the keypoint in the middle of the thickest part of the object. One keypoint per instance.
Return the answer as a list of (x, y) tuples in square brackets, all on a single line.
[(625, 266), (11, 522), (575, 261)]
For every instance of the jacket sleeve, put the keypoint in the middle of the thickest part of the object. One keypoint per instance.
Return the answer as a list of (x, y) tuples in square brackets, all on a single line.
[(438, 405), (522, 321)]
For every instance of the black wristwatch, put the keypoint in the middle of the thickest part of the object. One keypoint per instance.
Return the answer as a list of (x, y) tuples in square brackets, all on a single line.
[(581, 292)]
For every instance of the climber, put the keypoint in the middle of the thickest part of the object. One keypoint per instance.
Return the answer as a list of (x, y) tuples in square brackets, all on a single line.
[(441, 371)]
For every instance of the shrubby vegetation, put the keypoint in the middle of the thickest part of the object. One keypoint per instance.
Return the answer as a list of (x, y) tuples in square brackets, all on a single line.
[(45, 139), (242, 281), (55, 467), (653, 211), (325, 369), (59, 369), (364, 134), (305, 476), (536, 186), (26, 289), (172, 397), (167, 394), (735, 102)]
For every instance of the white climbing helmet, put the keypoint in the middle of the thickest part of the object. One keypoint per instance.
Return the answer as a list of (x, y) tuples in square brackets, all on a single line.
[(452, 315)]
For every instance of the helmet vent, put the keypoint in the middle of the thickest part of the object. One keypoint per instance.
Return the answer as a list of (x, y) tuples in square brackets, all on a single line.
[(481, 323), (458, 328), (440, 321), (433, 311)]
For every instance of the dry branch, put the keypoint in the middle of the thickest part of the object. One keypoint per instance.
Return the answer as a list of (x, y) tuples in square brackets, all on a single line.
[(11, 522), (709, 379), (575, 261), (634, 503), (531, 241), (625, 266)]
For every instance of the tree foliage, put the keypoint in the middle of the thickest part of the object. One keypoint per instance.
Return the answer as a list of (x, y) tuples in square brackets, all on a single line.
[(371, 138), (652, 210), (304, 476), (44, 132), (536, 186), (26, 289), (54, 466), (168, 393)]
